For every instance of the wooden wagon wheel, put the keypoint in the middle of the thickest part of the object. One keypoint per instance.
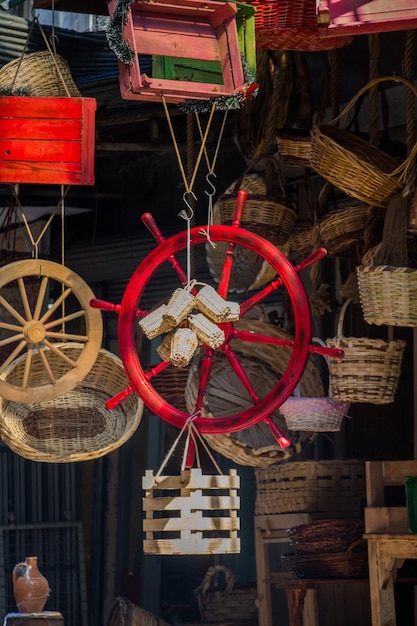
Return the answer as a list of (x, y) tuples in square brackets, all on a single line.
[(287, 277), (43, 303)]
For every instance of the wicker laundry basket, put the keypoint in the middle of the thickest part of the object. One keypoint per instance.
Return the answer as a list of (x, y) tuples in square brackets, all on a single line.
[(76, 426)]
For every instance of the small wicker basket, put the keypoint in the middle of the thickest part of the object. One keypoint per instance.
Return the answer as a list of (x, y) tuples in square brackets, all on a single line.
[(76, 426), (370, 369), (325, 535), (38, 74), (354, 165), (341, 230), (316, 414), (294, 146), (349, 564), (388, 295), (228, 601)]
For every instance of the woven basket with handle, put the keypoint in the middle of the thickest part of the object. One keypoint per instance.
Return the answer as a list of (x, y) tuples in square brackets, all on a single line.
[(353, 164), (226, 600), (39, 74), (370, 369), (76, 426)]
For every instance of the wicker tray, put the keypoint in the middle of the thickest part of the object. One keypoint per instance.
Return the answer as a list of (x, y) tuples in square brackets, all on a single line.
[(348, 564), (253, 446), (310, 487), (354, 165), (325, 536), (370, 369)]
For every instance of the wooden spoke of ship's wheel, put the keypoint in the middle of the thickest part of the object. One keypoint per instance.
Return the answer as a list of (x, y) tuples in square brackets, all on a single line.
[(30, 323)]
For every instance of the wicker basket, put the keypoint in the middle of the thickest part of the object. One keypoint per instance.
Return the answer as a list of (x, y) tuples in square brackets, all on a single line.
[(254, 446), (349, 564), (249, 270), (354, 165), (294, 146), (311, 487), (76, 426), (291, 25), (316, 414), (325, 536), (388, 295), (370, 369), (341, 230), (227, 601), (124, 612), (38, 74)]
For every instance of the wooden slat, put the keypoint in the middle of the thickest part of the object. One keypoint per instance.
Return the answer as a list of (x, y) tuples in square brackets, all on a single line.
[(45, 129), (13, 150), (197, 545), (191, 480), (171, 524), (386, 520), (396, 471), (44, 107), (191, 502)]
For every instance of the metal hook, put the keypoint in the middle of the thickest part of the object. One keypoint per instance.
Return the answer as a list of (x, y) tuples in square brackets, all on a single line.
[(209, 182), (190, 214)]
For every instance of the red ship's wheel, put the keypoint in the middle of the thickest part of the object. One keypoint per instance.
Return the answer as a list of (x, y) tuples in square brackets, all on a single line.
[(287, 277)]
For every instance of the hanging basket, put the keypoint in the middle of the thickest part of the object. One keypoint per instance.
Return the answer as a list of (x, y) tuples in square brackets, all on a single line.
[(388, 295), (302, 241), (370, 369), (249, 270), (76, 426), (294, 146), (291, 25), (341, 230), (38, 74), (225, 601), (254, 446), (354, 165), (316, 414), (191, 513)]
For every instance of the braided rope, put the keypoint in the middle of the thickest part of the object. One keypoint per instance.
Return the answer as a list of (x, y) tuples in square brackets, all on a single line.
[(374, 45), (409, 73)]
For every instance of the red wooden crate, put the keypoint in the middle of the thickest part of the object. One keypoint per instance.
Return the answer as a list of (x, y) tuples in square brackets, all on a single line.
[(47, 140), (190, 29), (356, 17)]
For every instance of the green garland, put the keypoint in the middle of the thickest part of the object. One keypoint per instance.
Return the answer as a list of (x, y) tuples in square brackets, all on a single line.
[(117, 42), (231, 103)]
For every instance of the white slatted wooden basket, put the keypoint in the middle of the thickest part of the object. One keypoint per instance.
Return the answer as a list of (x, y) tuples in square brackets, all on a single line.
[(191, 513)]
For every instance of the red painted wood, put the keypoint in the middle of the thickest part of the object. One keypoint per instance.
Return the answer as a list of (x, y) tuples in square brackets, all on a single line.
[(188, 29), (47, 140), (357, 17)]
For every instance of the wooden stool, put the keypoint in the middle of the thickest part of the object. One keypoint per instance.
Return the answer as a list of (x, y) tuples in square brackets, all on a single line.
[(45, 618)]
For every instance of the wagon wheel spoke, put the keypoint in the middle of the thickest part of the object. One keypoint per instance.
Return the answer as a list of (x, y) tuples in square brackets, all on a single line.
[(206, 367), (33, 329)]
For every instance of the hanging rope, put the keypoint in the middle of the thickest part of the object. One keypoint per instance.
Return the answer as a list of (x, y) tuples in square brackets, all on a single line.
[(409, 73), (332, 58)]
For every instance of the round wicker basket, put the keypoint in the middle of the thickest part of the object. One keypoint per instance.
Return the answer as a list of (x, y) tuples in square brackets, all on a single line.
[(341, 230), (254, 446), (76, 426), (38, 74)]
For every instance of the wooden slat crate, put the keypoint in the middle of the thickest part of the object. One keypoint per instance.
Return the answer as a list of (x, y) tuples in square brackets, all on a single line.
[(187, 29), (310, 486), (191, 513), (47, 140)]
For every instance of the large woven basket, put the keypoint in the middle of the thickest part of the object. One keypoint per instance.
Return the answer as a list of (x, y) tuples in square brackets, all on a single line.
[(225, 600), (328, 486), (354, 165), (38, 74), (264, 364), (249, 270), (291, 25), (325, 536), (388, 295), (370, 369), (76, 426)]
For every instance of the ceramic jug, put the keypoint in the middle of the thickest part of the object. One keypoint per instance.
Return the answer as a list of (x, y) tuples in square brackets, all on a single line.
[(30, 587)]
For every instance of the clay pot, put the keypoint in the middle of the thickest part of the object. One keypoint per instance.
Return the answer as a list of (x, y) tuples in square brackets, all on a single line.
[(30, 587)]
